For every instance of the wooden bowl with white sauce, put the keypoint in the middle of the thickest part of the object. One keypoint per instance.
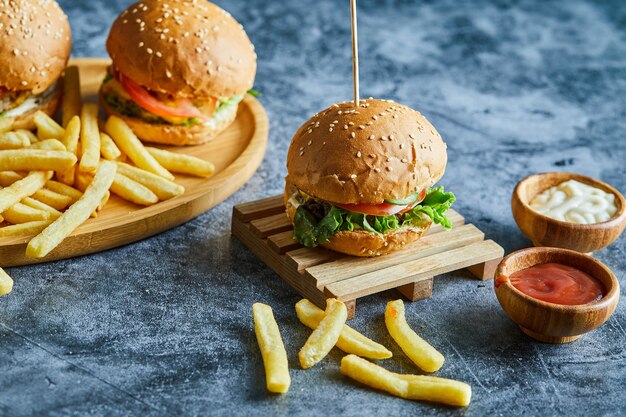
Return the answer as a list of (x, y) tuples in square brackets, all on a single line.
[(547, 231)]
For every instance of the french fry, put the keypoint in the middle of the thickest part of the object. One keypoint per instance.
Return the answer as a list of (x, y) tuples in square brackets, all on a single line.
[(64, 189), (74, 216), (27, 135), (108, 148), (128, 143), (21, 213), (89, 138), (132, 191), (49, 144), (163, 188), (410, 387), (24, 229), (6, 283), (350, 341), (70, 141), (417, 349), (23, 188), (325, 336), (47, 128), (272, 349), (10, 140), (35, 160), (38, 205), (71, 104), (184, 164), (9, 177), (6, 124), (55, 200), (83, 180)]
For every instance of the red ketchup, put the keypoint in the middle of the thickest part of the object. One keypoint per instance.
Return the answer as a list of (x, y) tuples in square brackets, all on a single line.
[(558, 284)]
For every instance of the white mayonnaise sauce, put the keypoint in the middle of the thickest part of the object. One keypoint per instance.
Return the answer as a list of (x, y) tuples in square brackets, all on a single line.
[(574, 202)]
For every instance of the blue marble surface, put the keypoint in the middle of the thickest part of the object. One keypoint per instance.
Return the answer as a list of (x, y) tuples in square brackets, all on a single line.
[(164, 327)]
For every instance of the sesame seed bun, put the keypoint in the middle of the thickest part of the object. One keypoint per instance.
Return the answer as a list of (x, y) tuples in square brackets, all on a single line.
[(185, 49), (174, 134), (364, 243), (366, 154), (35, 46)]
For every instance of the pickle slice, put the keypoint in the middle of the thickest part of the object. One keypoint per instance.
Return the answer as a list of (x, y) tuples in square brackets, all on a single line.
[(404, 201)]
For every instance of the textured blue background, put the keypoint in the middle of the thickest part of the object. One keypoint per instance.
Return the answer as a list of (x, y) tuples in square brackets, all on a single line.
[(163, 327)]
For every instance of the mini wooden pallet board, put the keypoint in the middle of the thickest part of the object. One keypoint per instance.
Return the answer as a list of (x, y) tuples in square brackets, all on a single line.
[(318, 273)]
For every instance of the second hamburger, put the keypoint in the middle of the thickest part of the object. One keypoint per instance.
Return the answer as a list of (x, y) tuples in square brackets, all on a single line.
[(360, 178)]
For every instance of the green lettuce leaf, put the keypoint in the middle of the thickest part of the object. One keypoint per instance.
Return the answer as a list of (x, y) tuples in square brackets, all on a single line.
[(311, 232)]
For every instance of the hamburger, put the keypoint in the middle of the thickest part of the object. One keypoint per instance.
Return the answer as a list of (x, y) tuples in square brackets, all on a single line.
[(36, 44), (360, 179), (179, 70)]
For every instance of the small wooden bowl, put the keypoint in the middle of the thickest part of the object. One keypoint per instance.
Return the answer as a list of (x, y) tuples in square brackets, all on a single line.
[(549, 322), (545, 231)]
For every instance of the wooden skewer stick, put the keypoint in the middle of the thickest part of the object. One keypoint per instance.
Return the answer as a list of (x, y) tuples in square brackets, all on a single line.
[(355, 53)]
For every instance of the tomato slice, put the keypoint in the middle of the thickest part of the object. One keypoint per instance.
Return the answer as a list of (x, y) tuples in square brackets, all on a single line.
[(180, 107), (383, 209)]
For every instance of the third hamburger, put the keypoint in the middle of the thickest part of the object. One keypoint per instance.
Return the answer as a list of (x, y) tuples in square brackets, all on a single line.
[(360, 178)]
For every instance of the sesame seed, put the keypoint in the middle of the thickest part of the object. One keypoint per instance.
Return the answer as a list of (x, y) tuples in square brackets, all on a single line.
[(310, 142), (404, 160), (395, 116), (24, 83), (350, 123), (301, 153), (358, 154), (16, 52), (168, 74), (141, 44), (330, 130), (353, 134), (391, 137), (353, 176), (375, 117), (149, 51), (377, 169), (402, 146), (372, 137), (198, 49), (411, 136), (389, 169)]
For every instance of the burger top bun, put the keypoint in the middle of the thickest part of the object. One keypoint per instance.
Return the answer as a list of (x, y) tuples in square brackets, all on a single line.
[(365, 154), (35, 46), (183, 48)]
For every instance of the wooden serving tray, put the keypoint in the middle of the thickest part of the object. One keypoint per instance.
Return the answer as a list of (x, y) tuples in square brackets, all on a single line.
[(318, 273), (236, 153)]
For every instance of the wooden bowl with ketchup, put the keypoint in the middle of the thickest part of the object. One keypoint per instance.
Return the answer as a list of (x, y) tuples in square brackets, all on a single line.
[(546, 231), (555, 295)]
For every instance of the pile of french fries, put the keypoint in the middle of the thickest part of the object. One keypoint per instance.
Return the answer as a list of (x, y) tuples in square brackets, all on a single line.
[(53, 180), (330, 329)]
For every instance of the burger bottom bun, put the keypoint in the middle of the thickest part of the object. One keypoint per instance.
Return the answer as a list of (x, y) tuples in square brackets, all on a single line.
[(171, 134), (50, 107), (368, 244)]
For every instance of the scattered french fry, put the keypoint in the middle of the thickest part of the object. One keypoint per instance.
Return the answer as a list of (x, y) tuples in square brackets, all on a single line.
[(38, 205), (10, 140), (35, 160), (49, 144), (6, 283), (163, 188), (350, 341), (74, 216), (21, 213), (325, 336), (64, 189), (9, 177), (417, 349), (109, 149), (89, 138), (26, 135), (132, 191), (70, 141), (6, 124), (182, 163), (272, 349), (25, 187), (71, 104), (24, 229), (410, 387), (128, 143), (55, 200), (47, 128)]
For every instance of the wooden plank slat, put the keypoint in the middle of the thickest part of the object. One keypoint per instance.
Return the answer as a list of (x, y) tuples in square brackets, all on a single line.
[(283, 242), (276, 262), (347, 267), (259, 209), (270, 225), (405, 273), (303, 258), (417, 290)]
